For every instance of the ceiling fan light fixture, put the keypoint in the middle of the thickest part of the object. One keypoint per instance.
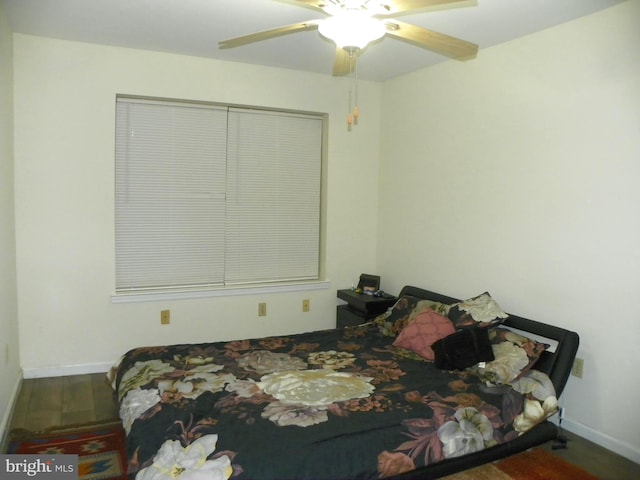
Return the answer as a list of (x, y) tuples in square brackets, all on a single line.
[(352, 29)]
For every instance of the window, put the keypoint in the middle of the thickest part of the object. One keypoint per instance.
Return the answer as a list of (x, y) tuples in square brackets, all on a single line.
[(211, 196)]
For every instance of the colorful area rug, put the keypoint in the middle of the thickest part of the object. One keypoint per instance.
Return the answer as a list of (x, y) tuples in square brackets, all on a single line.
[(100, 448), (535, 464)]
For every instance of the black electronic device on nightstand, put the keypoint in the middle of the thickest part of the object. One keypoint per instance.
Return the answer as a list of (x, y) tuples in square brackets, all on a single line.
[(360, 307)]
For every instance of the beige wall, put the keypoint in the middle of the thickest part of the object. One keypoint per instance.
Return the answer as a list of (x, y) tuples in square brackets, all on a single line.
[(9, 353), (518, 173), (64, 149)]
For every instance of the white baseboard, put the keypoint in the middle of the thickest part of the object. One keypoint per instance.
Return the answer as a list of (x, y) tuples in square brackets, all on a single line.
[(66, 370), (610, 443), (8, 414)]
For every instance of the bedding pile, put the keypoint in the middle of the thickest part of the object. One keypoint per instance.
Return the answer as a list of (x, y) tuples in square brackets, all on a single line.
[(359, 402)]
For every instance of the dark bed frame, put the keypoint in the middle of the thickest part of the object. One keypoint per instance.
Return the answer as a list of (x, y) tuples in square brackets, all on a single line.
[(557, 365)]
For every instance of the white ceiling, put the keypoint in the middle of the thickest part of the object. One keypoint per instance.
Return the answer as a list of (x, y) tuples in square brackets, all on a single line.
[(194, 27)]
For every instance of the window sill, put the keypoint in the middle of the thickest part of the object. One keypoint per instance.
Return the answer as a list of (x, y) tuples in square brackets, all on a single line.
[(218, 292)]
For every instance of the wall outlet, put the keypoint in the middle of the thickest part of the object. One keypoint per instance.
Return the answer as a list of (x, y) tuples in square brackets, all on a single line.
[(578, 367), (165, 317), (262, 309), (306, 305)]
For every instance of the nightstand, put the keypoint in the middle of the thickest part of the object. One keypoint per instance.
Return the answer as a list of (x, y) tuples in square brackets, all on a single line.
[(360, 308)]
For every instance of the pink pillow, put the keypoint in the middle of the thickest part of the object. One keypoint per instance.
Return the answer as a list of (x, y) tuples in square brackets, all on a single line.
[(424, 331)]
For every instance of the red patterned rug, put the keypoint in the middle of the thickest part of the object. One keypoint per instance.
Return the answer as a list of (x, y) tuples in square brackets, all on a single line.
[(535, 464), (100, 448)]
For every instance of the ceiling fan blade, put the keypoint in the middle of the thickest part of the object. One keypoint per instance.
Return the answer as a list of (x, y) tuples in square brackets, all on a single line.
[(267, 34), (315, 4), (437, 42), (400, 6), (344, 62)]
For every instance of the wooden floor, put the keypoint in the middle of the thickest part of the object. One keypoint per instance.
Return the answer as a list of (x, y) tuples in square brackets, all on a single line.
[(60, 401), (600, 462)]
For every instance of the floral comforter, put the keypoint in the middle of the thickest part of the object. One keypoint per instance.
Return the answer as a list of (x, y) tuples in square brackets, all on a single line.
[(329, 404)]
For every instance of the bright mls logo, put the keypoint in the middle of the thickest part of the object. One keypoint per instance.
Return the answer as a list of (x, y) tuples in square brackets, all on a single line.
[(49, 467)]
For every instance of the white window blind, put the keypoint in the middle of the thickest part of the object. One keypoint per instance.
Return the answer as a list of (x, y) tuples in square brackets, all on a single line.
[(273, 197), (208, 197)]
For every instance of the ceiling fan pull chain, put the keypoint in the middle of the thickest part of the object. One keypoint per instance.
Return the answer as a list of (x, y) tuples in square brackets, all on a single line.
[(350, 114), (356, 110)]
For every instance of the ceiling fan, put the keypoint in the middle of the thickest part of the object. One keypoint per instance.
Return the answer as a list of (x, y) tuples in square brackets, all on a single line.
[(353, 24)]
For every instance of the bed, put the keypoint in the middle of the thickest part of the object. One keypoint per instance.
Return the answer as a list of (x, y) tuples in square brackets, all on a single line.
[(361, 402)]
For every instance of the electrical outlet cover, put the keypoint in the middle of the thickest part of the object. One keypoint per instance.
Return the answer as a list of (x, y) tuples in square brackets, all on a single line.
[(578, 368)]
